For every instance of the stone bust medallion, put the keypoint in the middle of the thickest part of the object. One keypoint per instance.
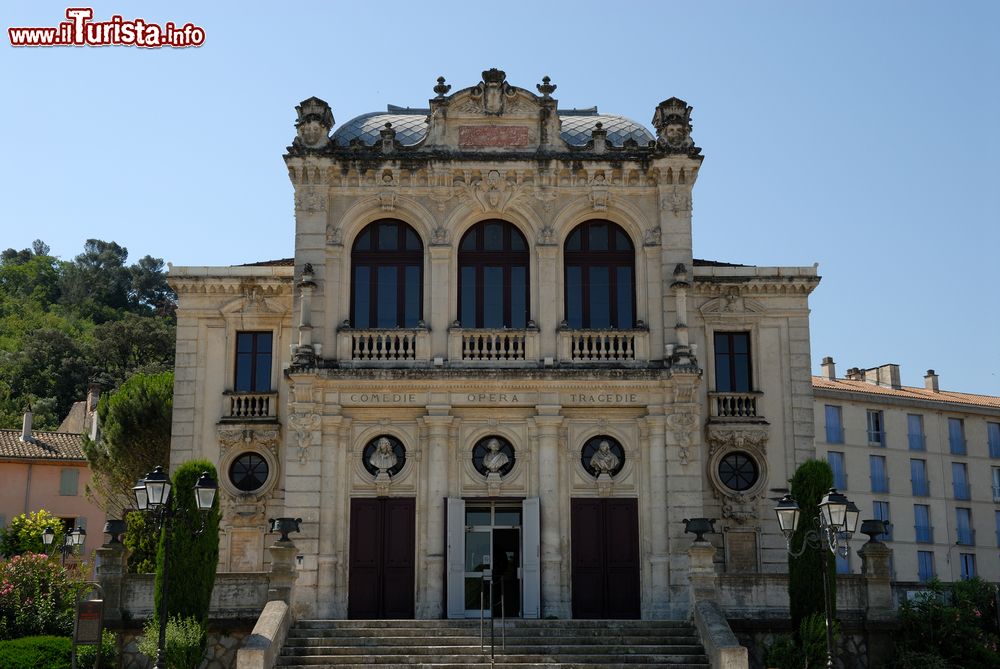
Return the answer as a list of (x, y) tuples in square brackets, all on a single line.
[(493, 456), (384, 456), (603, 456)]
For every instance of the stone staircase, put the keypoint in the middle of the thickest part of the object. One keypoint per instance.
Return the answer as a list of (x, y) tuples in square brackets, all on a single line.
[(452, 644)]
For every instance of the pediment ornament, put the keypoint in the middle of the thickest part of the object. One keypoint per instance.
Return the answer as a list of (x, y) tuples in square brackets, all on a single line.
[(304, 425), (248, 437)]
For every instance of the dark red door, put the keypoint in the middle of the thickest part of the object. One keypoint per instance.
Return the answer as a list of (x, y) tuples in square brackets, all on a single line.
[(380, 577), (605, 561)]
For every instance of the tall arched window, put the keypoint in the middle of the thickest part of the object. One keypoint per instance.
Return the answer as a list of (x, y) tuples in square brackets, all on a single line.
[(387, 276), (493, 277), (600, 277)]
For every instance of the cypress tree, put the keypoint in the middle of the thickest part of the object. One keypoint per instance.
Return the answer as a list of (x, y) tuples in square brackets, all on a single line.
[(193, 556), (811, 481)]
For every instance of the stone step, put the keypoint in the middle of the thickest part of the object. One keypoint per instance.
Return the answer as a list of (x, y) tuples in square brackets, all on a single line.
[(474, 623), (535, 649), (469, 633), (485, 661), (473, 639), (504, 659)]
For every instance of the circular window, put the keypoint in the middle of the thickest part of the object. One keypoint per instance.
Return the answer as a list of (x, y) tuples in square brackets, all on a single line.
[(248, 472), (384, 454), (602, 455), (493, 455), (738, 471)]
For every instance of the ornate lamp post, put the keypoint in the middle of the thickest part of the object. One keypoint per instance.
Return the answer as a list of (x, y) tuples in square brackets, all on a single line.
[(836, 524), (72, 542), (152, 495)]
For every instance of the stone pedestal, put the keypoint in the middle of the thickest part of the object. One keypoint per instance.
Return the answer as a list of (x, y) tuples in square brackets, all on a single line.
[(701, 572), (876, 569), (283, 573), (111, 575)]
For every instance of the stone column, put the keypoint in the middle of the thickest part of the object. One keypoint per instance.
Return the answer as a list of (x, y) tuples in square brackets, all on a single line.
[(330, 512), (111, 576), (438, 285), (547, 422), (546, 315), (304, 350), (438, 422), (875, 567), (282, 574), (701, 572), (658, 559)]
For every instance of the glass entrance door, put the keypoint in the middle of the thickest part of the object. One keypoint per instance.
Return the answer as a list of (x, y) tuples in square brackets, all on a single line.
[(493, 547)]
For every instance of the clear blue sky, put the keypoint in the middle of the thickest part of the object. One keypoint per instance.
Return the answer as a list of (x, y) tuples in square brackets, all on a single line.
[(860, 135)]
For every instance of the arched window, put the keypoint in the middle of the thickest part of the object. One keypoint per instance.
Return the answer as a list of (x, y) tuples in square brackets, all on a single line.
[(493, 277), (600, 277), (387, 276)]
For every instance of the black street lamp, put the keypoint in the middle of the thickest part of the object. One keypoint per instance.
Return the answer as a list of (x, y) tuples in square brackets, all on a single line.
[(72, 542), (152, 495), (836, 524)]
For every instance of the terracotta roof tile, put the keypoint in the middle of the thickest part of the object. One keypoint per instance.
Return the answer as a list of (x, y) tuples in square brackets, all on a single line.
[(44, 446), (282, 262), (906, 392)]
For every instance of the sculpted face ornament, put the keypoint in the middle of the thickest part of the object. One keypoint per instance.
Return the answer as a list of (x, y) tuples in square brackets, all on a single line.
[(604, 461), (315, 119), (676, 136), (672, 121), (495, 459), (383, 459)]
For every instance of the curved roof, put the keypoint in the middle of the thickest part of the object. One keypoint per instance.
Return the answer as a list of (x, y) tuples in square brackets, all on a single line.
[(411, 127)]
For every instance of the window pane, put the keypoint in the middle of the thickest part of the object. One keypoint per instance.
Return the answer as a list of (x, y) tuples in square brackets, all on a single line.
[(263, 342), (741, 370), (518, 306), (262, 381), (721, 343), (573, 241), (362, 295), (412, 297), (412, 241), (836, 461), (622, 242), (600, 297), (388, 237), (469, 241), (244, 342), (493, 237), (387, 294), (723, 370), (493, 297), (625, 317), (244, 365), (993, 438), (574, 297), (517, 242), (467, 288), (364, 241), (598, 236)]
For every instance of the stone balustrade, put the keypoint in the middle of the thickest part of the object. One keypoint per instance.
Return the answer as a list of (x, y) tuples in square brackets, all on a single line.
[(603, 345), (734, 406), (384, 345), (493, 345), (243, 406)]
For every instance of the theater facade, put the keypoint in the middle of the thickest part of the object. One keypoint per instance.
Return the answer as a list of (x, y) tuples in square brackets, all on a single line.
[(494, 352)]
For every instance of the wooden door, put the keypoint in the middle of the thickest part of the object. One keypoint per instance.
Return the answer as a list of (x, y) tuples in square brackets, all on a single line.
[(605, 559), (381, 562)]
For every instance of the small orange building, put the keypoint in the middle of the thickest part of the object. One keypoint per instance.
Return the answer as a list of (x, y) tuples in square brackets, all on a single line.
[(48, 470)]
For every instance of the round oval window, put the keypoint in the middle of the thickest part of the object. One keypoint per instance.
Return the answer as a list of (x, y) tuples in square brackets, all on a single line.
[(738, 471), (248, 472)]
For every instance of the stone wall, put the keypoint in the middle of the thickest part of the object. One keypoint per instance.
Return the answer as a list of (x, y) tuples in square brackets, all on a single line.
[(235, 596), (223, 642)]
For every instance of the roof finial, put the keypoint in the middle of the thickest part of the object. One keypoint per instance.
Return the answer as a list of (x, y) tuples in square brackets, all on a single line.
[(546, 88), (442, 88)]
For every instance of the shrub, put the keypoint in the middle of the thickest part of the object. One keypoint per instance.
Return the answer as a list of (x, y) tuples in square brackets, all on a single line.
[(86, 656), (141, 541), (784, 653), (185, 642), (805, 586), (36, 652), (194, 556), (37, 596), (24, 534)]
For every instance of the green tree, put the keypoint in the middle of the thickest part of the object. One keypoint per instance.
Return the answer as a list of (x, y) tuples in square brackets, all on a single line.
[(135, 437), (141, 542), (49, 365), (97, 283), (193, 554), (131, 345), (24, 533), (810, 482)]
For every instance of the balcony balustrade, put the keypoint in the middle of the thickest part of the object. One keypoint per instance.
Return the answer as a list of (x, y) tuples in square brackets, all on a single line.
[(587, 346), (384, 345), (734, 406), (501, 345), (244, 406)]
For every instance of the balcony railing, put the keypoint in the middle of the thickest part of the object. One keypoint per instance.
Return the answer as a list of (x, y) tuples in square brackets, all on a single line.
[(924, 534), (734, 406), (966, 537), (493, 345), (383, 345), (243, 406), (961, 490), (921, 488), (876, 438), (603, 345)]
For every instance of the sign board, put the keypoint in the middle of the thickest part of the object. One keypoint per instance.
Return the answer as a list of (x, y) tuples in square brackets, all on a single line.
[(89, 615)]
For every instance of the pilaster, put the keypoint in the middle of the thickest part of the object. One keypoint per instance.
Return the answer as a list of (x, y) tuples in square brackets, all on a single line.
[(547, 423)]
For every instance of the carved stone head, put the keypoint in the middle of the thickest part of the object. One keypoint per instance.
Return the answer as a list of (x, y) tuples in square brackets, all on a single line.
[(672, 121), (315, 119)]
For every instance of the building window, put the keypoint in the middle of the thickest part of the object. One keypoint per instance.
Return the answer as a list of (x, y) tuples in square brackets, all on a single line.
[(876, 428), (968, 562), (956, 436), (600, 277), (834, 425), (387, 262), (915, 432), (843, 563), (732, 362), (922, 524), (918, 478), (738, 471), (963, 526), (69, 481), (996, 485), (960, 480), (881, 511), (880, 481), (836, 461), (993, 439), (997, 514), (248, 472), (493, 277), (925, 566), (253, 362)]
